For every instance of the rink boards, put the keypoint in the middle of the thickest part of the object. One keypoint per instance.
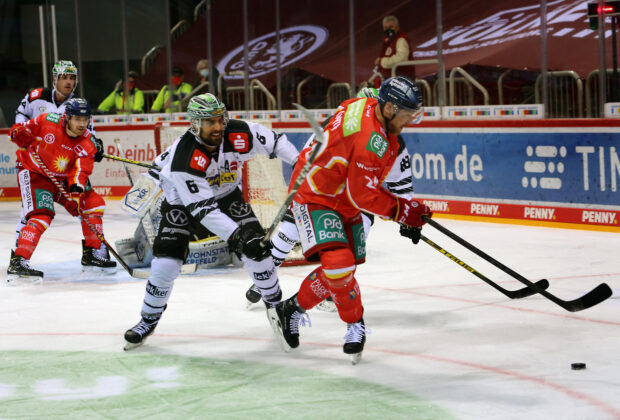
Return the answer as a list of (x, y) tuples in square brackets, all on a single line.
[(537, 171)]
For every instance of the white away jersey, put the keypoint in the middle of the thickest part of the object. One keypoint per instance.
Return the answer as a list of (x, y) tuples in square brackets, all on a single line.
[(194, 177), (36, 102)]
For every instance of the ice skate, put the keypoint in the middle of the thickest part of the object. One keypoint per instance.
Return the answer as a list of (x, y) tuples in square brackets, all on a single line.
[(285, 319), (253, 295), (327, 305), (97, 259), (354, 340), (137, 335), (19, 271)]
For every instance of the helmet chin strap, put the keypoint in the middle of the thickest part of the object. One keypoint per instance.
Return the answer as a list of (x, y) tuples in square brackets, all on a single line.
[(386, 120)]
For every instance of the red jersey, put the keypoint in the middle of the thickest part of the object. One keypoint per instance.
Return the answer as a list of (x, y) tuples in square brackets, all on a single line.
[(70, 158), (388, 49), (348, 172)]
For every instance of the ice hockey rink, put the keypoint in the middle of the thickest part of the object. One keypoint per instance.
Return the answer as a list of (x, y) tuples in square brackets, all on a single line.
[(444, 345)]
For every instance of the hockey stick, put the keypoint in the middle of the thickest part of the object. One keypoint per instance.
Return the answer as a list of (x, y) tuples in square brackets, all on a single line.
[(593, 297), (120, 152), (133, 162), (319, 141), (512, 294), (92, 227)]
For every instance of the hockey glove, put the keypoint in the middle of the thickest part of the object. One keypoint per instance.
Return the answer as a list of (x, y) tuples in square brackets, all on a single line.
[(412, 233), (73, 206), (22, 136), (99, 146), (410, 212), (248, 242)]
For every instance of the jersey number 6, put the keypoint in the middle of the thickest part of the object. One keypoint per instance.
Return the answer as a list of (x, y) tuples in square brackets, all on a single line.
[(191, 186)]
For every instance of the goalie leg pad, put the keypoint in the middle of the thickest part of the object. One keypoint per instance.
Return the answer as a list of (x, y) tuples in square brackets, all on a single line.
[(173, 236), (159, 286), (209, 252)]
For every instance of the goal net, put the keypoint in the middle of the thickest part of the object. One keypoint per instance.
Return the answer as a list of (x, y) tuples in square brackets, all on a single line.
[(263, 183)]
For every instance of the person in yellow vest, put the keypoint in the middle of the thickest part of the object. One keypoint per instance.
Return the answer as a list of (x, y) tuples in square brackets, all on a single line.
[(165, 102), (116, 100)]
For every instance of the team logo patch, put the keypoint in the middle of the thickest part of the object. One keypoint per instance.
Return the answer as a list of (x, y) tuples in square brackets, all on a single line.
[(80, 150), (44, 199), (177, 217), (239, 142), (49, 138), (199, 161), (239, 209), (377, 144), (352, 294)]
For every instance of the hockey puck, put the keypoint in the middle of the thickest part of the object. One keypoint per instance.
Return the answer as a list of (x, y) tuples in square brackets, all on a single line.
[(578, 366)]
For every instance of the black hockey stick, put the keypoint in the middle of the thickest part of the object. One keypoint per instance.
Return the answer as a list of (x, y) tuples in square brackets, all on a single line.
[(92, 227), (133, 162), (593, 297), (120, 152), (512, 294), (319, 140)]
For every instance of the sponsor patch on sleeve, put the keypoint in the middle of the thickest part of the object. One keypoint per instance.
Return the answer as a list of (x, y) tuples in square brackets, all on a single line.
[(35, 94), (239, 141), (377, 144), (199, 161), (53, 117)]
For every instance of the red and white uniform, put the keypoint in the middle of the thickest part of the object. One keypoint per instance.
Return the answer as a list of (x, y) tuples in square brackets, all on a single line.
[(71, 162), (349, 171), (345, 179)]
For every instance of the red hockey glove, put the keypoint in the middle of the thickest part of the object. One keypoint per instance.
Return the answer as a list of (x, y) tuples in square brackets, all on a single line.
[(410, 212), (74, 205), (22, 136)]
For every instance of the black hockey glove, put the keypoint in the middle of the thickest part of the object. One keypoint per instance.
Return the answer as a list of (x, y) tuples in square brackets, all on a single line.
[(411, 232), (248, 242), (99, 146)]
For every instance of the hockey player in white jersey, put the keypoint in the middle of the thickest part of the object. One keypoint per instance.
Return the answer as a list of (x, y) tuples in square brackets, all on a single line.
[(200, 177), (399, 182)]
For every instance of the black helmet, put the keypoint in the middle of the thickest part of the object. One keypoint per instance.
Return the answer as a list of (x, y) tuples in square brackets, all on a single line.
[(78, 107), (402, 92)]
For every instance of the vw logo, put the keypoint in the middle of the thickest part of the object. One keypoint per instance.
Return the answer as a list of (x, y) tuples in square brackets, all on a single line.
[(177, 217), (239, 209)]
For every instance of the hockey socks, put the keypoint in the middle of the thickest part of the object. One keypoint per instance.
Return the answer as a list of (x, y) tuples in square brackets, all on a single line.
[(31, 234), (312, 290), (90, 238)]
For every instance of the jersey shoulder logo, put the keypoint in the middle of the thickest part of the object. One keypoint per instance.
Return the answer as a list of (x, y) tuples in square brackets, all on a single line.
[(35, 94), (53, 117), (239, 141), (377, 144), (49, 138), (199, 161)]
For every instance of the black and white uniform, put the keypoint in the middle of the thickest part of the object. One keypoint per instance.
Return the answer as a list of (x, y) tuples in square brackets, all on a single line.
[(202, 191), (37, 102), (399, 181)]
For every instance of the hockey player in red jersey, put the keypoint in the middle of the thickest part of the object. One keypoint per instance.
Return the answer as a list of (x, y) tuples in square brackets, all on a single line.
[(346, 178), (68, 151)]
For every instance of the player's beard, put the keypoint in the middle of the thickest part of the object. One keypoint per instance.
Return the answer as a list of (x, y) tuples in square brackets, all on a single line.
[(213, 140)]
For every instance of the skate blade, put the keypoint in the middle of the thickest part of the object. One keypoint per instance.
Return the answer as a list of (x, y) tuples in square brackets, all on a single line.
[(18, 280), (277, 329), (91, 269), (131, 346), (356, 358)]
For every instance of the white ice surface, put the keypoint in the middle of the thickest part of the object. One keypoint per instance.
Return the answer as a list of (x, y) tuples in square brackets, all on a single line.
[(438, 332)]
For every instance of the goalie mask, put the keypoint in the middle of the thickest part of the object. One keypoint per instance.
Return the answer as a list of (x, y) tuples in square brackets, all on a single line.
[(64, 67), (202, 107)]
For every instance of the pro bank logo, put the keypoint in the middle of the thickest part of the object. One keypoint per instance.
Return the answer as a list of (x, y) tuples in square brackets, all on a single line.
[(564, 18), (296, 42), (328, 226)]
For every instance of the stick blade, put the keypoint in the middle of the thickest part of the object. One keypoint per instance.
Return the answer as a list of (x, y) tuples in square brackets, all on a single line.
[(529, 291), (595, 296)]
